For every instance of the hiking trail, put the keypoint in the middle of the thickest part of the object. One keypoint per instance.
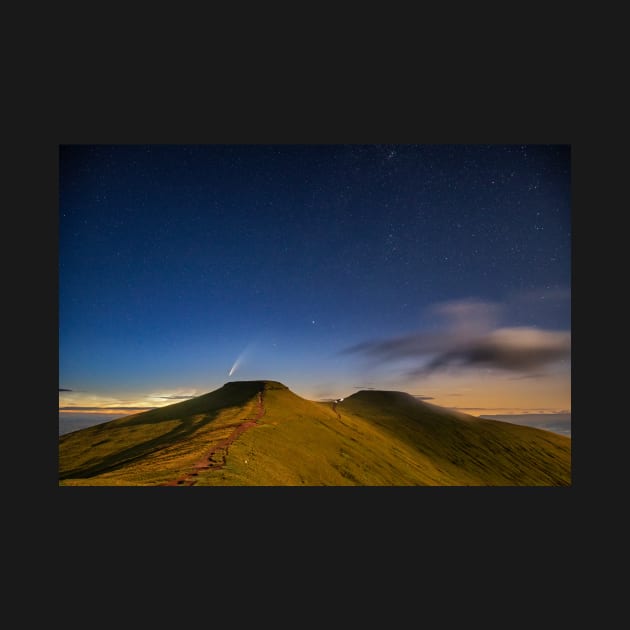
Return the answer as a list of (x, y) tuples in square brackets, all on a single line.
[(216, 458)]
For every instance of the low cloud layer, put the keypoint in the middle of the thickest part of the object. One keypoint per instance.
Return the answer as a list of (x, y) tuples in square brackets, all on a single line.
[(103, 408), (175, 397), (469, 338)]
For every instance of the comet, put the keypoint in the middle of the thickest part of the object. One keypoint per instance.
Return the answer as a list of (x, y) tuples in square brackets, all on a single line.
[(239, 359), (236, 364)]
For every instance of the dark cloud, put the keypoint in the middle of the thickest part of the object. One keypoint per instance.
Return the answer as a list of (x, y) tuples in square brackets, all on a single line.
[(462, 320), (511, 349), (469, 338), (61, 389), (421, 397)]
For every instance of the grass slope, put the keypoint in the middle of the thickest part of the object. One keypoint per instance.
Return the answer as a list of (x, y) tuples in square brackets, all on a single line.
[(451, 448), (151, 448), (371, 438)]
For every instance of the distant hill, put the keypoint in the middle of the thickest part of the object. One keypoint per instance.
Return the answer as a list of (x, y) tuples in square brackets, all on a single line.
[(260, 433)]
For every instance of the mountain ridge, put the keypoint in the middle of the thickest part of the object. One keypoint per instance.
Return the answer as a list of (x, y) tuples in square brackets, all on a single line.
[(261, 433)]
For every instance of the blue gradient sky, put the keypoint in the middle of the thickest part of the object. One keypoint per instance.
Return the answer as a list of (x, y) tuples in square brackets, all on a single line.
[(324, 267)]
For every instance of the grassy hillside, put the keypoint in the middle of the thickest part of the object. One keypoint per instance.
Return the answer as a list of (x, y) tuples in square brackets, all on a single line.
[(151, 448), (371, 438), (457, 449)]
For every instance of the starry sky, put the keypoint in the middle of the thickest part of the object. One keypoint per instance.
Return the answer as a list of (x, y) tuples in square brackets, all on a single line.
[(440, 270)]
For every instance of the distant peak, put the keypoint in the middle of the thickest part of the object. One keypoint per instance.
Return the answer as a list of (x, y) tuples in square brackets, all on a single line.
[(384, 395), (266, 385), (373, 392)]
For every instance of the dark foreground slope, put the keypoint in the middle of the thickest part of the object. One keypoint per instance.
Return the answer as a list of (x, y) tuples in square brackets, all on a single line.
[(261, 433)]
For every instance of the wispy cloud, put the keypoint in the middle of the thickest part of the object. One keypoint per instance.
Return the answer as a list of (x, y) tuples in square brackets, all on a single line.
[(468, 338), (62, 389), (177, 394), (468, 315)]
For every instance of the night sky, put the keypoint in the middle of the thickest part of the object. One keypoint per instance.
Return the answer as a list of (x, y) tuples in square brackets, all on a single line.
[(441, 270)]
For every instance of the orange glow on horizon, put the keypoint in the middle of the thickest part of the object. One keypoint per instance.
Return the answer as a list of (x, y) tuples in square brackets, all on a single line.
[(112, 410)]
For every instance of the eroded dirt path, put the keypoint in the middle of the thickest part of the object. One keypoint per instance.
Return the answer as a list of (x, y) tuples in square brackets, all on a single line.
[(216, 458)]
